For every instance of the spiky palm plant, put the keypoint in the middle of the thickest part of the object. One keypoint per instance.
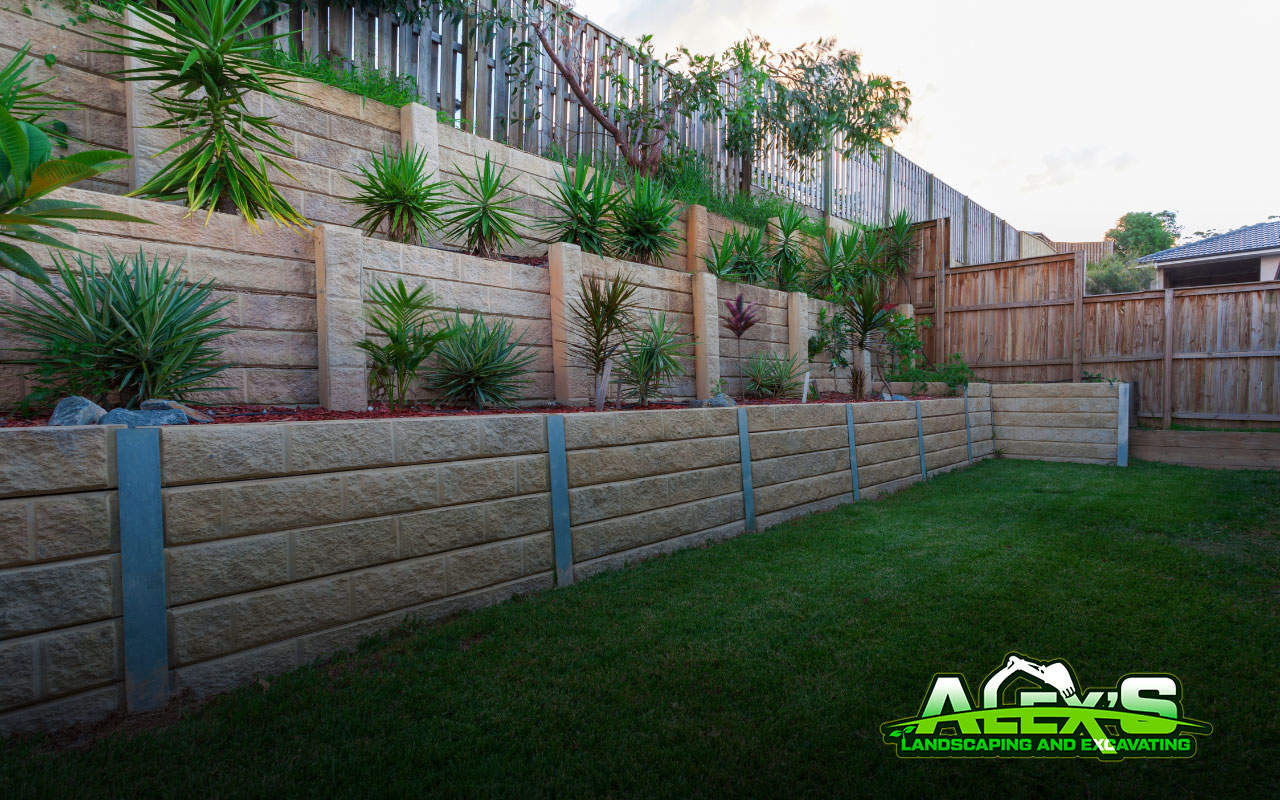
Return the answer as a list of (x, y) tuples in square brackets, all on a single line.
[(485, 218), (644, 223), (481, 364), (583, 201), (788, 254), (407, 334), (601, 317), (396, 190), (651, 357), (772, 375), (132, 331), (900, 249)]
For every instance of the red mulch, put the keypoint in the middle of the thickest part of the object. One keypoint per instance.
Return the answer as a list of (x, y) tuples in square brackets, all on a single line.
[(241, 414)]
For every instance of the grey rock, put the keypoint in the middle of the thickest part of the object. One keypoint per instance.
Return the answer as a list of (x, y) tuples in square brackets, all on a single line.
[(885, 396), (76, 410), (721, 400), (899, 397), (173, 405), (143, 419)]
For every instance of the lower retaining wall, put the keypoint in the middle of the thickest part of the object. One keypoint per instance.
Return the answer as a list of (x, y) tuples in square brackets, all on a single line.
[(280, 543), (1082, 422)]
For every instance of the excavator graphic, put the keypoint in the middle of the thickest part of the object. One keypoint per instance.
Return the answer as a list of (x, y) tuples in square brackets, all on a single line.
[(1055, 674)]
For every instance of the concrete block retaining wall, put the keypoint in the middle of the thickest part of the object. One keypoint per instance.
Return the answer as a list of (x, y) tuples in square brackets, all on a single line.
[(1060, 422), (286, 541)]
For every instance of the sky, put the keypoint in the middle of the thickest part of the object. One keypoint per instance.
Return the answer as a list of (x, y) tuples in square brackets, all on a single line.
[(1059, 117)]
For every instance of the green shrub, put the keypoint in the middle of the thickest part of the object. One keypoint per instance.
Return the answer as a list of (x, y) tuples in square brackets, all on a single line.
[(205, 58), (954, 372), (485, 220), (27, 176), (583, 202), (408, 334), (1115, 274), (651, 358), (740, 256), (644, 222), (788, 257), (396, 190), (376, 84), (131, 332), (480, 365), (772, 375), (690, 178), (828, 271)]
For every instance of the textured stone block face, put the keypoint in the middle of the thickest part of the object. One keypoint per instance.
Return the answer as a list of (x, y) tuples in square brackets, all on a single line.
[(320, 446), (442, 529), (15, 531), (773, 444), (85, 591), (623, 533), (45, 460), (200, 632), (1059, 450), (209, 570), (471, 481), (81, 658), (803, 465), (225, 674), (280, 504), (587, 467), (337, 548), (1055, 405), (883, 412), (192, 514), (517, 516), (806, 490), (426, 440), (17, 673), (1090, 435), (76, 525), (933, 408), (289, 610), (389, 491), (398, 585), (888, 451), (700, 423), (206, 454), (64, 713), (485, 566), (1042, 390)]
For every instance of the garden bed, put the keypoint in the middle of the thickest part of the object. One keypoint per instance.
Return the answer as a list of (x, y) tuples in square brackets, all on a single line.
[(263, 413)]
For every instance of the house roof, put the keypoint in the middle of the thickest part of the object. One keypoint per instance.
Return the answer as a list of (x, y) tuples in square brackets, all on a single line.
[(1263, 236)]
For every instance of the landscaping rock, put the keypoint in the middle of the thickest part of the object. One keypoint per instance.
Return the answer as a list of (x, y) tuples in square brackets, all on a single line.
[(143, 419), (174, 405), (76, 410), (900, 397), (886, 397), (721, 400)]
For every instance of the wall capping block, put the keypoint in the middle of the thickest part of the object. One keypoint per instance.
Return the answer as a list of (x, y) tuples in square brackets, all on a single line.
[(561, 531), (853, 450), (924, 470), (744, 448), (142, 580), (1122, 425)]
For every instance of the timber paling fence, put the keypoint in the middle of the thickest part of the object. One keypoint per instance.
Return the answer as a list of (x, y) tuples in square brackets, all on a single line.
[(1201, 355), (464, 74)]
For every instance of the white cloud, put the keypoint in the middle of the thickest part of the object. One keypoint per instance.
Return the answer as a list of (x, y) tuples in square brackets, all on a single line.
[(1056, 117)]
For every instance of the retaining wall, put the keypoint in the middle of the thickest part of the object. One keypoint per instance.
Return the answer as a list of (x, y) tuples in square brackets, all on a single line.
[(1080, 422), (283, 542)]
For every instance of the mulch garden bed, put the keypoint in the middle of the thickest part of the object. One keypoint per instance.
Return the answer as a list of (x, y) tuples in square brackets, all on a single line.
[(258, 413)]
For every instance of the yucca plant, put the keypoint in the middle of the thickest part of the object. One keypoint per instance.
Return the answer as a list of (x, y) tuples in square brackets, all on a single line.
[(407, 334), (866, 318), (651, 358), (788, 254), (205, 57), (865, 252), (396, 190), (753, 261), (772, 375), (900, 249), (583, 201), (480, 364), (721, 259), (644, 222), (601, 316), (741, 317), (27, 176), (133, 331), (485, 218), (827, 272)]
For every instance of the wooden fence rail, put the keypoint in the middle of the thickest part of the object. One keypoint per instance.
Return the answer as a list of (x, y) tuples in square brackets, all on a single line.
[(461, 74), (1202, 355)]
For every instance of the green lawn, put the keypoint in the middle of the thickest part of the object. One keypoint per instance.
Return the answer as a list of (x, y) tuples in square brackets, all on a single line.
[(764, 666)]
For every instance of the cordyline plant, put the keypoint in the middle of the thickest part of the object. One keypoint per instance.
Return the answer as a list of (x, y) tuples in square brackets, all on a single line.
[(204, 57), (601, 317), (407, 334), (583, 201), (740, 319), (396, 190), (485, 217), (899, 250), (651, 357)]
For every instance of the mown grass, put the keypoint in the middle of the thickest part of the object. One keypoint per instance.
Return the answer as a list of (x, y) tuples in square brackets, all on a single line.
[(764, 666)]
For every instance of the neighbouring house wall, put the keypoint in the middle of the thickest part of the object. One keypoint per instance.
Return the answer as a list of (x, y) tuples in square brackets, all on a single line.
[(1057, 422), (268, 275), (286, 541)]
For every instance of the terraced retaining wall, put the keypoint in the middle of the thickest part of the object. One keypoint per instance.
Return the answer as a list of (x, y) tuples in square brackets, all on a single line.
[(276, 543)]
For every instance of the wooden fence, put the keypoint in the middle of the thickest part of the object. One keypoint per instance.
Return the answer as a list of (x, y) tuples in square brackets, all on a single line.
[(460, 73), (1203, 355)]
